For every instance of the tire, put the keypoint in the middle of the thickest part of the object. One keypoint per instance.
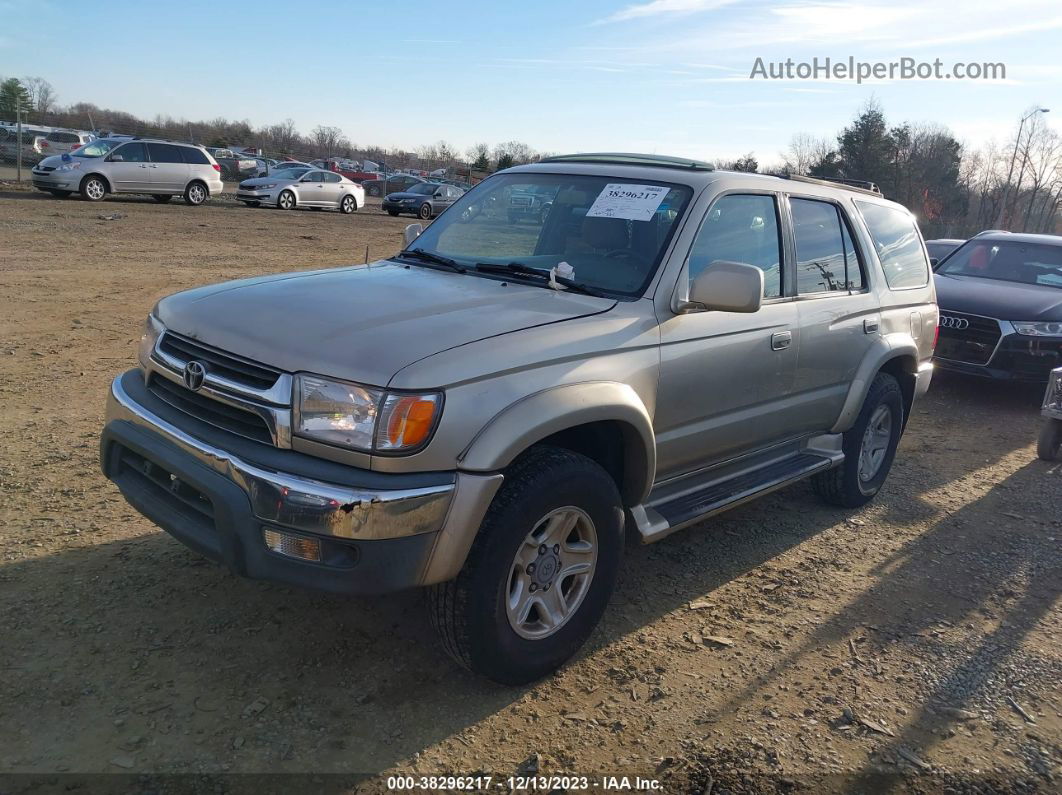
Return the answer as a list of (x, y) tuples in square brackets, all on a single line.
[(472, 612), (195, 194), (161, 198), (252, 204), (424, 213), (858, 479), (348, 205), (286, 200), (393, 213), (375, 191), (1049, 444), (60, 194), (93, 188)]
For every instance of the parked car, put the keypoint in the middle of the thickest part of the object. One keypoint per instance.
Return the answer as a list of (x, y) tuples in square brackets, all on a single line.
[(59, 141), (9, 147), (293, 188), (1049, 445), (532, 203), (940, 248), (481, 412), (234, 166), (161, 169), (1000, 299), (425, 200), (352, 171), (390, 184)]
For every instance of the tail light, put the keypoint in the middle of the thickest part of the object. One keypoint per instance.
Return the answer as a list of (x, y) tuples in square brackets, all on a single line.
[(44, 144), (936, 335), (217, 168), (75, 147)]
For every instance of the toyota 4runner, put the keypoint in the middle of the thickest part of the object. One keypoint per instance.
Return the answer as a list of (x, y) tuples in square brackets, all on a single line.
[(487, 412)]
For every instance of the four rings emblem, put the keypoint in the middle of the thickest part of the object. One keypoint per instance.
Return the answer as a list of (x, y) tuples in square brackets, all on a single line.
[(947, 321), (194, 373)]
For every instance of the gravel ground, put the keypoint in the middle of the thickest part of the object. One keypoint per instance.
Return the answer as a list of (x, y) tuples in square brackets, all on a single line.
[(910, 646)]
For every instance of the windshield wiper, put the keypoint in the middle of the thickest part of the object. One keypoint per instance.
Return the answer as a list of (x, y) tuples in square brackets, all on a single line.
[(521, 269), (428, 256)]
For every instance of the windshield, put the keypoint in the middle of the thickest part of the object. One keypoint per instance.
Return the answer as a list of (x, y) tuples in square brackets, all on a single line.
[(96, 149), (1007, 261), (612, 232), (289, 173), (424, 188)]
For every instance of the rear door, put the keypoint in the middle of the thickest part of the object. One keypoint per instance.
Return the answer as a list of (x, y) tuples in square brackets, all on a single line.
[(169, 172), (839, 317), (332, 188), (128, 168)]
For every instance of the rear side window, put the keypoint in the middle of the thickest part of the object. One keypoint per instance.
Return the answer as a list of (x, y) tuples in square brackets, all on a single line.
[(195, 157), (826, 260), (331, 177), (165, 153), (741, 228), (897, 244)]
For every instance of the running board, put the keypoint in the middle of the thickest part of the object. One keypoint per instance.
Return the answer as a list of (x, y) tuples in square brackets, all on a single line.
[(656, 520)]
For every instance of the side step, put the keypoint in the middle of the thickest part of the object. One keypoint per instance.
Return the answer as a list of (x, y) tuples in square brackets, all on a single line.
[(658, 519)]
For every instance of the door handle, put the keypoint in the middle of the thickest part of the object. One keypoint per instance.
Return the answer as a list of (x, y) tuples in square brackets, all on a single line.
[(871, 325), (781, 340)]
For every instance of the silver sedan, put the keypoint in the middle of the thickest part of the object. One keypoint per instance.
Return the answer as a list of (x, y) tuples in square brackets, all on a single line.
[(302, 187)]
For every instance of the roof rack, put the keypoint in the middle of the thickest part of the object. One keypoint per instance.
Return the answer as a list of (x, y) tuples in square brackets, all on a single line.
[(632, 159), (860, 185)]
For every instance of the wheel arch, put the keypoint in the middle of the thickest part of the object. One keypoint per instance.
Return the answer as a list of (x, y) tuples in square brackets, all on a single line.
[(605, 421), (896, 355), (193, 181), (107, 182)]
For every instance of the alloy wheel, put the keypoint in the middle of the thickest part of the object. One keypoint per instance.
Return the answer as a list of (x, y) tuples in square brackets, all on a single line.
[(875, 445)]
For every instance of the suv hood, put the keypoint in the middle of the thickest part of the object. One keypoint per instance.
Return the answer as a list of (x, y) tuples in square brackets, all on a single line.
[(998, 299), (363, 323)]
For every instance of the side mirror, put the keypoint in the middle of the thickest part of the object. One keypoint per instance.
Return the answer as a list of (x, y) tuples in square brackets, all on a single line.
[(412, 233), (933, 261), (727, 287), (116, 158)]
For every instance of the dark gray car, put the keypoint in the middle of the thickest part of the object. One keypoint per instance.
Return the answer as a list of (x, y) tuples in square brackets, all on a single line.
[(425, 200)]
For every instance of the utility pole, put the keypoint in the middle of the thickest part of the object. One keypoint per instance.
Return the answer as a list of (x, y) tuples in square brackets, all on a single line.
[(1013, 157), (18, 139)]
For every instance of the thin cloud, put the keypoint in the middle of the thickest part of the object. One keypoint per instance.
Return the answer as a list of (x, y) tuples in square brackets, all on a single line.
[(656, 8)]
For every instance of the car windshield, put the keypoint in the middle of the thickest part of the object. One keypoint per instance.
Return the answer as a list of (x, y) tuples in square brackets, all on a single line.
[(289, 173), (1007, 261), (424, 188), (96, 149), (612, 232)]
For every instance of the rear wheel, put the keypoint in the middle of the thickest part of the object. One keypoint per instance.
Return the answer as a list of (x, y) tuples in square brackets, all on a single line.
[(60, 194), (348, 205), (425, 211), (161, 198), (375, 191), (195, 194), (869, 447), (93, 189), (1050, 442), (540, 572), (286, 200)]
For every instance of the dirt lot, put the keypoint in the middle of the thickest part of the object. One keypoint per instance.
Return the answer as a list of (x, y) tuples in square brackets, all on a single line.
[(912, 645)]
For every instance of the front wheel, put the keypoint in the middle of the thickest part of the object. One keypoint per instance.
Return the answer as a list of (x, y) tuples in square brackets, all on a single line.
[(424, 212), (393, 213), (1049, 445), (195, 194), (540, 572), (869, 447), (93, 189), (286, 200), (348, 205)]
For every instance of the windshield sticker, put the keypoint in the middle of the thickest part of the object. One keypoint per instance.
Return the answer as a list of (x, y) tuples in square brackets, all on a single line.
[(629, 202)]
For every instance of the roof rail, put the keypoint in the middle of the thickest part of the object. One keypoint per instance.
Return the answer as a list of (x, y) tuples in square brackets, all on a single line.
[(859, 185), (631, 159)]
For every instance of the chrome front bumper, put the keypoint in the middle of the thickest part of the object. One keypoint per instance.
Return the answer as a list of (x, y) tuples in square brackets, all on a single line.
[(297, 502)]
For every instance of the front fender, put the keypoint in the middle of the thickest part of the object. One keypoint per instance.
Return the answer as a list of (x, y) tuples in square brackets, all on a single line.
[(885, 348), (542, 414)]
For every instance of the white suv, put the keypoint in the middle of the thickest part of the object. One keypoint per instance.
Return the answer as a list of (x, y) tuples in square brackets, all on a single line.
[(161, 169)]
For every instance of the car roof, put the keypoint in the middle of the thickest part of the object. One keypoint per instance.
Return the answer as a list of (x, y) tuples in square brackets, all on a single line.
[(948, 240), (1020, 237)]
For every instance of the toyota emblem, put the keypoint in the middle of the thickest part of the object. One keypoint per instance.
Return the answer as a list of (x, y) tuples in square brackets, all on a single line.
[(957, 323), (194, 373)]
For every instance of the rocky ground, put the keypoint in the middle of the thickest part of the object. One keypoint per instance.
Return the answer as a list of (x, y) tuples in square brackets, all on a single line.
[(913, 645)]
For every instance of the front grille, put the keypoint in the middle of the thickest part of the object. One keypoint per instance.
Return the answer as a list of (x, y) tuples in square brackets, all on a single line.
[(234, 368), (973, 344), (221, 415), (47, 168)]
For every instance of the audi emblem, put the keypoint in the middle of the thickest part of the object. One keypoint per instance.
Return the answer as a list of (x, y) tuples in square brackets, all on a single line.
[(957, 323), (194, 373)]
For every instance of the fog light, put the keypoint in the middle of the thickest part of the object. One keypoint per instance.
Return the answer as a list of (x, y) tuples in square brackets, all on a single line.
[(292, 546)]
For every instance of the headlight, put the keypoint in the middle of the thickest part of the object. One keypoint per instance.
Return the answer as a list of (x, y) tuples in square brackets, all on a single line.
[(153, 329), (264, 187), (362, 418), (1050, 328)]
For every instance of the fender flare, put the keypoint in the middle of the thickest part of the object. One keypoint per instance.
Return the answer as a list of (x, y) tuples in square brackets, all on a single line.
[(539, 415), (107, 182), (885, 349)]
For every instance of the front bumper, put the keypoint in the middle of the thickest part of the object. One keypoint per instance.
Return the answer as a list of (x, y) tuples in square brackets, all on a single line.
[(263, 196), (217, 493), (399, 207), (56, 180), (1016, 357)]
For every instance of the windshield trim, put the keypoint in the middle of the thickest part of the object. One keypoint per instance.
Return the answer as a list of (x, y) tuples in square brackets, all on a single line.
[(619, 295)]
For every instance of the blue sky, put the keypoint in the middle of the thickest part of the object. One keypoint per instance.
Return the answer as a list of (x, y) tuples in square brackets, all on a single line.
[(667, 76)]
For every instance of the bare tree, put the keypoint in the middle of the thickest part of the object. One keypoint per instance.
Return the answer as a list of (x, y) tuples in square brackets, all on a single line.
[(805, 150), (328, 140), (42, 95)]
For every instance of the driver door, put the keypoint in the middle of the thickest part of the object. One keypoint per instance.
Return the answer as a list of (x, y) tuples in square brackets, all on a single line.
[(128, 168), (725, 377), (312, 189)]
